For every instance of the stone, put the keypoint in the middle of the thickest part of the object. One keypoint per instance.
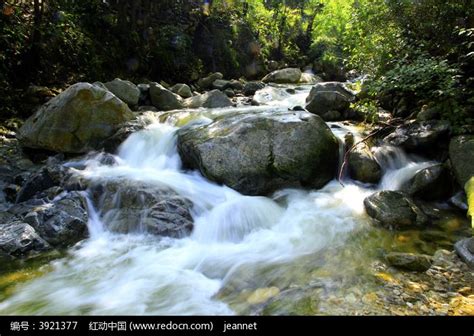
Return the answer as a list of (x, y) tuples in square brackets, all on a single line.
[(429, 184), (76, 121), (461, 153), (221, 84), (420, 136), (163, 99), (427, 113), (309, 78), (283, 76), (465, 250), (250, 88), (63, 222), (211, 99), (236, 85), (409, 261), (395, 210), (331, 101), (362, 165), (124, 90), (206, 82), (229, 93), (256, 154), (130, 206), (183, 90), (18, 240)]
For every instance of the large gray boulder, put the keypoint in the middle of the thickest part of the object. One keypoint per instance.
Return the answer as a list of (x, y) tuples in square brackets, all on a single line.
[(62, 222), (283, 76), (420, 136), (76, 121), (19, 239), (183, 90), (395, 210), (461, 154), (250, 88), (258, 153), (206, 82), (432, 183), (125, 90), (331, 101), (211, 99), (130, 206), (163, 99), (362, 165)]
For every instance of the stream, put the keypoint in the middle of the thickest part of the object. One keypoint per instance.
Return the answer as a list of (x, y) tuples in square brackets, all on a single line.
[(295, 252)]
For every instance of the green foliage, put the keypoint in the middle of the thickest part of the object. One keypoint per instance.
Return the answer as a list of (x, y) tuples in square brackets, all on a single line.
[(367, 108)]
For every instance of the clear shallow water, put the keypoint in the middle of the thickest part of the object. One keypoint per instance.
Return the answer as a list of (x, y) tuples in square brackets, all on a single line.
[(234, 236)]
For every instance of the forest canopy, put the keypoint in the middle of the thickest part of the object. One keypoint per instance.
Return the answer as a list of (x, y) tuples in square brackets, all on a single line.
[(428, 60)]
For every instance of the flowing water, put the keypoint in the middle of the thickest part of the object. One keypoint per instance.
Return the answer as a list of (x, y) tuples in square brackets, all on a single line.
[(243, 250)]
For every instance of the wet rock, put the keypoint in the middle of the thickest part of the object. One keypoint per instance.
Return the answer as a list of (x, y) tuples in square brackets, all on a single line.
[(206, 82), (19, 239), (465, 250), (124, 90), (409, 261), (63, 222), (144, 94), (283, 76), (461, 152), (255, 154), (422, 137), (309, 78), (432, 183), (250, 88), (136, 207), (163, 99), (363, 166), (76, 121), (182, 90), (48, 177), (211, 99), (330, 100), (394, 209)]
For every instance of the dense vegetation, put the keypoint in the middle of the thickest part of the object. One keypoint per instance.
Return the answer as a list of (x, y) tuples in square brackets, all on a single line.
[(415, 53)]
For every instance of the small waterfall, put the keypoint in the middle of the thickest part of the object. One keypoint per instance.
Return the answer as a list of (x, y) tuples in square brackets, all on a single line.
[(398, 167)]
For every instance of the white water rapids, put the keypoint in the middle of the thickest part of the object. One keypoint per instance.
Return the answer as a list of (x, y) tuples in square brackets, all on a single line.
[(141, 274)]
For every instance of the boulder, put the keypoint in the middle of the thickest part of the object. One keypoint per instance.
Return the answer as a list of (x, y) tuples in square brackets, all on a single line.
[(331, 101), (221, 84), (206, 82), (420, 136), (137, 207), (461, 153), (236, 85), (256, 154), (163, 99), (395, 210), (283, 76), (125, 90), (144, 94), (429, 184), (211, 99), (250, 88), (229, 93), (76, 121), (19, 239), (465, 250), (62, 222), (409, 261), (362, 165), (309, 78), (183, 90)]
